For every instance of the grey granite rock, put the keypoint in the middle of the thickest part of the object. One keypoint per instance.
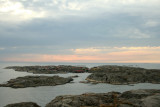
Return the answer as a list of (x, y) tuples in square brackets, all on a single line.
[(52, 69), (133, 98), (123, 75), (35, 81), (23, 104)]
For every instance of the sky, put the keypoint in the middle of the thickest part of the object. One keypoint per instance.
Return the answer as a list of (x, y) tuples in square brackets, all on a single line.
[(80, 31)]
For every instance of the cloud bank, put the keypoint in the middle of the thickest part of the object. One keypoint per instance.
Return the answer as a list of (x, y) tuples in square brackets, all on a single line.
[(79, 30)]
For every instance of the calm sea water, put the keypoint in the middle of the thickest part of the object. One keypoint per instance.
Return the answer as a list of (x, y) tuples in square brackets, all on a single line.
[(43, 95)]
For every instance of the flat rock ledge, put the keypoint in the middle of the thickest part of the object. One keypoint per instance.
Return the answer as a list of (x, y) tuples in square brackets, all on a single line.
[(23, 104), (35, 81), (133, 98), (122, 75)]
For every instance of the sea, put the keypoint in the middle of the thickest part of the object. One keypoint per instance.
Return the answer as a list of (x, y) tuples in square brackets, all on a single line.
[(44, 94)]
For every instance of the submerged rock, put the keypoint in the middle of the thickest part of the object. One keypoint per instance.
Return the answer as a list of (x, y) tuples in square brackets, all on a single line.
[(75, 76), (23, 104), (123, 75), (34, 81), (133, 98)]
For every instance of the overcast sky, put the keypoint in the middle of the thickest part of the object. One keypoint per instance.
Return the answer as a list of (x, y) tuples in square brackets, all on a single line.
[(95, 31)]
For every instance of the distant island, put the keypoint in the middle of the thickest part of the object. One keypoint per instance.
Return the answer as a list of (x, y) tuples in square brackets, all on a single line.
[(50, 69), (122, 75), (111, 74), (35, 81)]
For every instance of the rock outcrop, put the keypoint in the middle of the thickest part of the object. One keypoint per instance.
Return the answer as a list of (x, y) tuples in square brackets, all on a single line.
[(35, 81), (133, 98), (123, 75), (49, 69), (114, 68), (23, 104)]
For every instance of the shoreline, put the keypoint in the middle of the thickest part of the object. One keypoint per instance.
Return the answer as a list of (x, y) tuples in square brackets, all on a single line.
[(92, 73), (132, 98)]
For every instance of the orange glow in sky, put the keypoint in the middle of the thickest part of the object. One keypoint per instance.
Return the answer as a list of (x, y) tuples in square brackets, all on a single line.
[(99, 55)]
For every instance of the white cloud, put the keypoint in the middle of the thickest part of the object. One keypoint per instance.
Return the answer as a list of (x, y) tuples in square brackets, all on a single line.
[(151, 23), (12, 10), (15, 11), (2, 48), (138, 48), (107, 50), (86, 50), (74, 6), (135, 33), (132, 33)]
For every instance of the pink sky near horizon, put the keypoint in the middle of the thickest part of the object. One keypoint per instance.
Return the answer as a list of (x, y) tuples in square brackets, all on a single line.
[(96, 55)]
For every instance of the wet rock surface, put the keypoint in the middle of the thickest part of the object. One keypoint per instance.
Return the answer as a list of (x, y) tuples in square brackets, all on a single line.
[(50, 69), (23, 104), (35, 81), (133, 98), (123, 75)]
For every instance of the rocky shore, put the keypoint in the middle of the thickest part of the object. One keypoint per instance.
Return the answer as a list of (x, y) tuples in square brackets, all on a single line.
[(50, 69), (101, 74), (133, 98), (123, 75), (35, 81)]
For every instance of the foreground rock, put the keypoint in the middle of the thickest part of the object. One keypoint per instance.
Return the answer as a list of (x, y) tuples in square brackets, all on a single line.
[(123, 75), (133, 98), (50, 69), (23, 104), (34, 81)]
